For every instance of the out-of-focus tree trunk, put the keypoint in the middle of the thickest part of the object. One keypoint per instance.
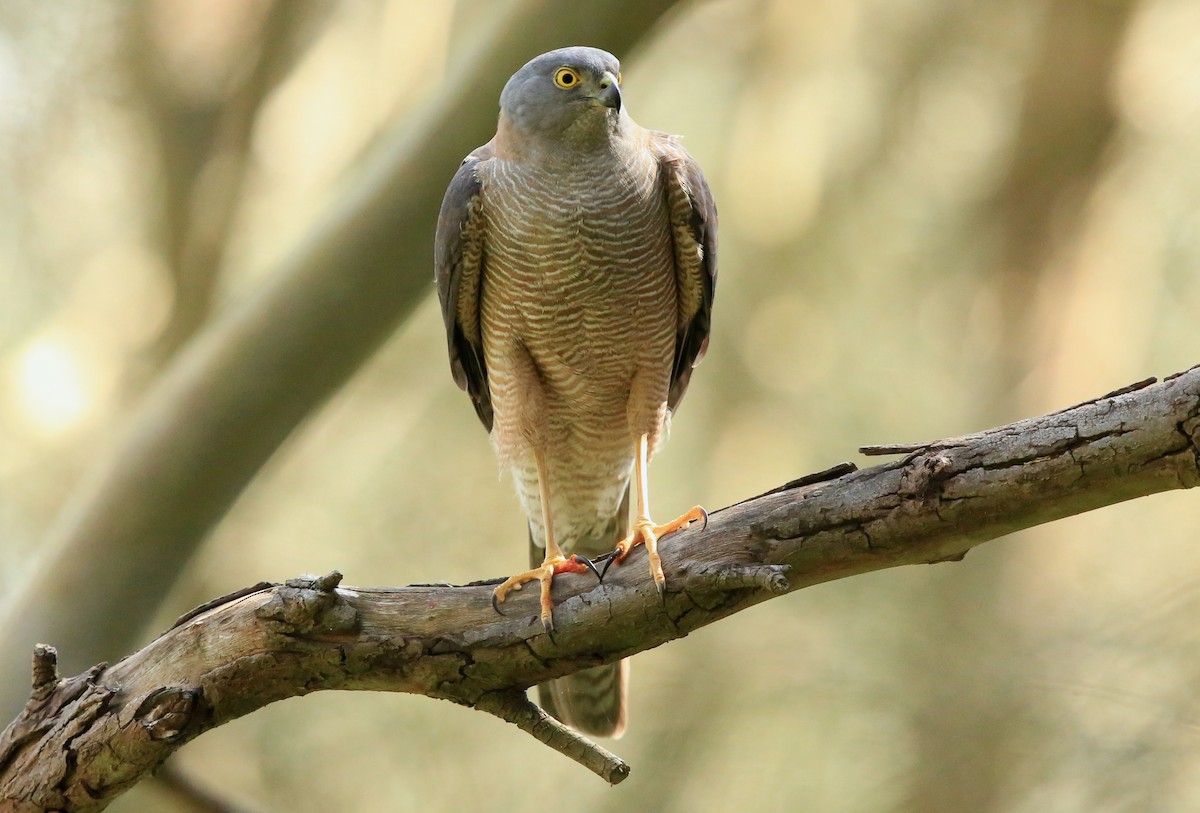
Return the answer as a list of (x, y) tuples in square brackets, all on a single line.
[(965, 741), (1066, 123), (203, 139)]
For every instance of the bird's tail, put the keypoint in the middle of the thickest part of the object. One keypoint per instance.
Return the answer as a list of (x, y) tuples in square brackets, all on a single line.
[(592, 701)]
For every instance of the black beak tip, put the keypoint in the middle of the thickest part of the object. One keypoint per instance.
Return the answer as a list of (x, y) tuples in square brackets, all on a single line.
[(611, 97)]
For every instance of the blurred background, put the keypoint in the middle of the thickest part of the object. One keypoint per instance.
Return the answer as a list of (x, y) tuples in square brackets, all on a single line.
[(936, 216)]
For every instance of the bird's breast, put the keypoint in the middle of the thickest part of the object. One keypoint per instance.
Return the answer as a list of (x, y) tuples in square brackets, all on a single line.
[(579, 272), (561, 242)]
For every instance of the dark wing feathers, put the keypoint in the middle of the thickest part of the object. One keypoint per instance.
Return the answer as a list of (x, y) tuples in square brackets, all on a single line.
[(694, 228), (458, 262)]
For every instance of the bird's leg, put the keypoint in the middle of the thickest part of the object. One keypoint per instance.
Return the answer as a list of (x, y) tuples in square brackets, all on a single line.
[(645, 531), (554, 561)]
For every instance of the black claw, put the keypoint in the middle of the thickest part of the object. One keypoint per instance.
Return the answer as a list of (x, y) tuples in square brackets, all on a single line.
[(705, 525), (610, 558), (592, 567), (662, 590), (496, 604), (548, 626)]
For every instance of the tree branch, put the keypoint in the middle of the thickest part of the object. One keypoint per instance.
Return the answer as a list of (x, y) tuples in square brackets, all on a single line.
[(80, 742)]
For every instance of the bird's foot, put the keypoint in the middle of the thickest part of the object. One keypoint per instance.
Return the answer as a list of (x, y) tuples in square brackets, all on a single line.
[(646, 532), (544, 574)]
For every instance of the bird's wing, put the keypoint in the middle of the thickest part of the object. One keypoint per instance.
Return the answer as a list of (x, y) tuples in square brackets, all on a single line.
[(458, 265), (693, 217)]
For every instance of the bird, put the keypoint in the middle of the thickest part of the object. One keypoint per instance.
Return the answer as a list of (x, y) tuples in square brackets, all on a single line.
[(575, 263)]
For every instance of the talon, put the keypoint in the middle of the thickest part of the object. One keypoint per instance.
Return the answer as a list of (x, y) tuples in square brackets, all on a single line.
[(647, 532), (704, 515), (609, 559), (592, 567), (544, 574)]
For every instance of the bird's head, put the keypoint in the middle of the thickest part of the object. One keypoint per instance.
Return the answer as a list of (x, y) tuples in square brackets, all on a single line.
[(571, 94)]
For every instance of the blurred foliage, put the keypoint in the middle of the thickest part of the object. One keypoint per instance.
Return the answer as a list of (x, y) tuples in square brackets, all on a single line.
[(936, 216)]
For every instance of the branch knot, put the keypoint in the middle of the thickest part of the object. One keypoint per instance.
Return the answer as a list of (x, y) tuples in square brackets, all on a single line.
[(166, 712), (311, 604)]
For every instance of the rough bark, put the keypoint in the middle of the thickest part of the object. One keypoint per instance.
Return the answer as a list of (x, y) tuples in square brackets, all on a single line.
[(81, 742)]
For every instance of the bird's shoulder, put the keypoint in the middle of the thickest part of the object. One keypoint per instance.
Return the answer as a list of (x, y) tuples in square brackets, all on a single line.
[(468, 176), (667, 148), (679, 168), (461, 200)]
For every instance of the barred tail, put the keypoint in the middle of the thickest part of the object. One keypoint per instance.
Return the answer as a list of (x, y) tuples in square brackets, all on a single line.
[(592, 701)]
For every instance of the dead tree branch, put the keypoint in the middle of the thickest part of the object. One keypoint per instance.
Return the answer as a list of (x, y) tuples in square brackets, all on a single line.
[(82, 741)]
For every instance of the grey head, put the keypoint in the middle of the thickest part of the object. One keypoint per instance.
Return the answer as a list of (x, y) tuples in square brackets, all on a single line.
[(572, 93)]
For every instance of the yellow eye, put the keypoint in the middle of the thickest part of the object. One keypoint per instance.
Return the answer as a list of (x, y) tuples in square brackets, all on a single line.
[(566, 78)]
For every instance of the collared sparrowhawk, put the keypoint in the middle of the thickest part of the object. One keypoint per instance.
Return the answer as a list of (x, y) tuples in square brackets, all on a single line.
[(575, 264)]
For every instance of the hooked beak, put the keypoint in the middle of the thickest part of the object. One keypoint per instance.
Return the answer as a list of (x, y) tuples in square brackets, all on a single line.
[(610, 92)]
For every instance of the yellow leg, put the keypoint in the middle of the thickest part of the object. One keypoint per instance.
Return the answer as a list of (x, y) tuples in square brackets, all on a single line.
[(645, 531), (553, 563)]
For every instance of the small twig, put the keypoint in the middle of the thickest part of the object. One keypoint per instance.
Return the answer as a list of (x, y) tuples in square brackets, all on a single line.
[(882, 449), (1128, 388), (892, 448), (514, 707), (217, 602), (45, 671), (823, 476)]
